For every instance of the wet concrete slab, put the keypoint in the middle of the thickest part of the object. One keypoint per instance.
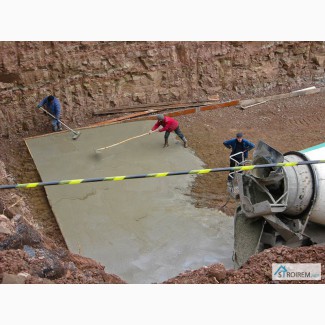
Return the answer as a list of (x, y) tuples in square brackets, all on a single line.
[(143, 230)]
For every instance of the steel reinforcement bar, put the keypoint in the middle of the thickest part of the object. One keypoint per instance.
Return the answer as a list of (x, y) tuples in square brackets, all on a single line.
[(158, 175)]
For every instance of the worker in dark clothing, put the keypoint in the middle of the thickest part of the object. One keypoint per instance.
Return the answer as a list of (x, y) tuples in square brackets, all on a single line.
[(168, 125), (52, 105), (239, 150)]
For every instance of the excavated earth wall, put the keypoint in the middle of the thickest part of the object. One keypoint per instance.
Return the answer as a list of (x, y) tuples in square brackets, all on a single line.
[(89, 76)]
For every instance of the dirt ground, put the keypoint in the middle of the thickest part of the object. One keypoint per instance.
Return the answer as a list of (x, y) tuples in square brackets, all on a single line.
[(258, 269), (288, 124)]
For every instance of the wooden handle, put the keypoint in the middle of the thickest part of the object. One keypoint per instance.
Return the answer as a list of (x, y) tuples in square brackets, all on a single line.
[(113, 145)]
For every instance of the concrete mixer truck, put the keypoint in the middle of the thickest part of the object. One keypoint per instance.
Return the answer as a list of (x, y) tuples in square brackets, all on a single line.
[(279, 205)]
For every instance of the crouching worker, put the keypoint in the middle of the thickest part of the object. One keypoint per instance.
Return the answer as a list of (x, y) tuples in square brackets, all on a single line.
[(52, 105), (168, 125)]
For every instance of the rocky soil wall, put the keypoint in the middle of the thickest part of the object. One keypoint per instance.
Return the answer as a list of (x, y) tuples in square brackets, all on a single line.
[(90, 76)]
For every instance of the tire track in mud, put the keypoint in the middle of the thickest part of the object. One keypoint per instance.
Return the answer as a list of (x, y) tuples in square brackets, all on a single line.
[(307, 121)]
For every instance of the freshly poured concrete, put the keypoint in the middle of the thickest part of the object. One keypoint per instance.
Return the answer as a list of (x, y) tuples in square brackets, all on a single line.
[(144, 230)]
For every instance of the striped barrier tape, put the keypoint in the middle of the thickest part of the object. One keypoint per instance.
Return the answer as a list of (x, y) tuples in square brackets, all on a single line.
[(188, 172)]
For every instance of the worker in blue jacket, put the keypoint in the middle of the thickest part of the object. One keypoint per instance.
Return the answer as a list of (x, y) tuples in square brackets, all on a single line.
[(53, 106), (239, 150)]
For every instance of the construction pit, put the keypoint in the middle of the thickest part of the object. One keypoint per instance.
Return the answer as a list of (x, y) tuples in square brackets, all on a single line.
[(198, 207), (143, 230)]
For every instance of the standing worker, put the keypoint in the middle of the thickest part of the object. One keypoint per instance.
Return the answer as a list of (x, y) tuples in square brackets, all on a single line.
[(240, 148), (168, 125), (53, 106)]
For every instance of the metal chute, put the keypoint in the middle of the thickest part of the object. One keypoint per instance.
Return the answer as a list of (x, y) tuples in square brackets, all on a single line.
[(276, 204)]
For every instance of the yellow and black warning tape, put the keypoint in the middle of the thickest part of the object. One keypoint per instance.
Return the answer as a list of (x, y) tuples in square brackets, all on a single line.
[(156, 175)]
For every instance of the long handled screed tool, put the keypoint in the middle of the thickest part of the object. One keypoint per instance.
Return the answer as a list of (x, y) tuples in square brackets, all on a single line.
[(116, 144), (76, 134)]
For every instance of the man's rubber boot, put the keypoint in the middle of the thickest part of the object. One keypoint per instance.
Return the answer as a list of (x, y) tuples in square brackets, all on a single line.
[(185, 143), (54, 128), (166, 143), (59, 127)]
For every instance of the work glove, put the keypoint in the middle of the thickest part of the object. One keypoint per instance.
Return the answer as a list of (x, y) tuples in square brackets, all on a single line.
[(150, 132), (39, 106)]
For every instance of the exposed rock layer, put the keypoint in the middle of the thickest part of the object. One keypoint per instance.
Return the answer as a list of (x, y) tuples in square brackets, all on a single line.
[(88, 76)]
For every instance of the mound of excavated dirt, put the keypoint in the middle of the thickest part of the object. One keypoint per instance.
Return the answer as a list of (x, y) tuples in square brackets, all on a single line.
[(258, 268), (28, 257)]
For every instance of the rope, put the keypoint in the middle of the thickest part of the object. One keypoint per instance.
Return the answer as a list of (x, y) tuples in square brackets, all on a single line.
[(158, 175)]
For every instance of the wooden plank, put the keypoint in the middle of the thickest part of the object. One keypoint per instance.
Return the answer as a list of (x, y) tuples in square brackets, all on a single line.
[(130, 116), (194, 110), (182, 112), (122, 118), (305, 89), (177, 113), (220, 105), (137, 109), (119, 111), (247, 102), (244, 107)]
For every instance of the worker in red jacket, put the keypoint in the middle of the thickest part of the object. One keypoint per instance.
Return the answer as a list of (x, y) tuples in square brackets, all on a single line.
[(168, 125)]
